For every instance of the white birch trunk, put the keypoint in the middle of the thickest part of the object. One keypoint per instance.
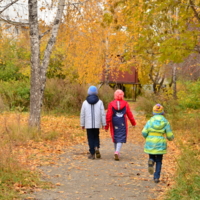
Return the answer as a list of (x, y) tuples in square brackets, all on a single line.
[(39, 68), (35, 104)]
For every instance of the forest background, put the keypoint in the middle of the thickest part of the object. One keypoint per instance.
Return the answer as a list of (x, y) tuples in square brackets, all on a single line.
[(159, 38)]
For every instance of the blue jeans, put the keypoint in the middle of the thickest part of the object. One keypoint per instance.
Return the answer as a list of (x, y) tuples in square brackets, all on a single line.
[(93, 139), (158, 160)]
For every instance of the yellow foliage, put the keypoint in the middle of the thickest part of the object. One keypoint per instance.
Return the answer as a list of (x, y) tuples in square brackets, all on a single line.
[(88, 47)]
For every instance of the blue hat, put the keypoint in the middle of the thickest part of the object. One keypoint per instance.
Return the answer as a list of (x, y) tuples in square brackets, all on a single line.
[(92, 90)]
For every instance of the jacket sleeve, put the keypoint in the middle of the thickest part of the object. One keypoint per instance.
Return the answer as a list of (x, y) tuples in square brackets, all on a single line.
[(169, 134), (130, 115), (103, 117), (82, 115), (145, 130), (108, 116)]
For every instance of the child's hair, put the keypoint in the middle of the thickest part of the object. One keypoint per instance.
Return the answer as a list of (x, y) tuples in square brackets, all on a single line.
[(118, 95), (158, 110)]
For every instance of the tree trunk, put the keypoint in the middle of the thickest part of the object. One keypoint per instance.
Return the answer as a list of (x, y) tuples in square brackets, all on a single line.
[(39, 68), (107, 62), (157, 80), (174, 81), (35, 103)]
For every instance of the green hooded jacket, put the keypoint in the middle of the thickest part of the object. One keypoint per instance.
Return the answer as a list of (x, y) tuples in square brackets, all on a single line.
[(156, 131)]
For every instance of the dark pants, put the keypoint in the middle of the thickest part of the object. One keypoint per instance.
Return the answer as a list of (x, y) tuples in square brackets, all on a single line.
[(93, 139), (158, 160)]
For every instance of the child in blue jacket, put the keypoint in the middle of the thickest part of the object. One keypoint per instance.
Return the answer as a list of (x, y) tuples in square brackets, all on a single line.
[(156, 144)]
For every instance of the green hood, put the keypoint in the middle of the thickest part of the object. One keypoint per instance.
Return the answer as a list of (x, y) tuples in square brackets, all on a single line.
[(158, 122)]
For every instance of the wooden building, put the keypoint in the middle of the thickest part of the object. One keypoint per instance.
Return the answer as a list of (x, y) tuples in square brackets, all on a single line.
[(128, 77)]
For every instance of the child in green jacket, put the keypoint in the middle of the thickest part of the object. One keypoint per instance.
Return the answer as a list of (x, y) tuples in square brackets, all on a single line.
[(156, 144)]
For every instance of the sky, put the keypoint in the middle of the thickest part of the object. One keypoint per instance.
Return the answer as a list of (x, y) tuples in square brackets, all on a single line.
[(19, 11)]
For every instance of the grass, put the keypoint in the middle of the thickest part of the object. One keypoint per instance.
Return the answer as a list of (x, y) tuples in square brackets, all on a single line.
[(17, 178), (17, 182), (23, 149), (186, 126)]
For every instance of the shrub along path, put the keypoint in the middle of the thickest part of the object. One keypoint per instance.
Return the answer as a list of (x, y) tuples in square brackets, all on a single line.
[(74, 176)]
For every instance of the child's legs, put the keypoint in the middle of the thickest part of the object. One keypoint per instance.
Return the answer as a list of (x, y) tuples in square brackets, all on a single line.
[(96, 138), (115, 145), (158, 160), (152, 157), (91, 139), (118, 146)]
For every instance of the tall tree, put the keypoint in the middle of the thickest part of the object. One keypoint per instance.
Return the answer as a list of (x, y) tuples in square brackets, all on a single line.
[(87, 43), (161, 32), (39, 66), (39, 63)]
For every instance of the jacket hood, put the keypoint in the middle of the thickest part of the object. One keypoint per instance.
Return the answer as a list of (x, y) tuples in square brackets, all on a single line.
[(158, 122), (118, 104), (92, 99)]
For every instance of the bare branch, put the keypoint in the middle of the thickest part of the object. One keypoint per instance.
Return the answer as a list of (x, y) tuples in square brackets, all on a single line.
[(197, 48), (52, 39), (151, 72), (162, 80), (194, 10), (43, 34), (77, 3), (14, 23), (10, 4)]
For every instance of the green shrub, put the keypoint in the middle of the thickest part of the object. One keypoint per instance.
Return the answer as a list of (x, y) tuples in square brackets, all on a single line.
[(189, 95), (147, 101), (60, 96), (9, 72), (129, 93), (15, 94), (106, 94), (64, 97)]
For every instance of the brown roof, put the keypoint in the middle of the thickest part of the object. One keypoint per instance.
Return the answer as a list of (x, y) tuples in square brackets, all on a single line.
[(128, 77)]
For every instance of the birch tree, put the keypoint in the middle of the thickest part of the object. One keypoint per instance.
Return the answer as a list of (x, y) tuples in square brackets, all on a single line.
[(39, 63), (39, 66)]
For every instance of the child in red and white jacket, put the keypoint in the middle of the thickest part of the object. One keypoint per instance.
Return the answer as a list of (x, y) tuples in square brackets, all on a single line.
[(116, 119)]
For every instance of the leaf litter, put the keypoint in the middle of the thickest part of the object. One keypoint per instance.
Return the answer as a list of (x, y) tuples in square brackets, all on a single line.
[(35, 154)]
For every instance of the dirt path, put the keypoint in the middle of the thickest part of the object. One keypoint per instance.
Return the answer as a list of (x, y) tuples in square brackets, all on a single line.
[(76, 177)]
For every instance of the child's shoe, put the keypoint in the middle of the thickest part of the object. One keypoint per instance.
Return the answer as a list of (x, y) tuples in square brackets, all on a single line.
[(150, 166), (116, 155), (156, 180), (91, 156), (97, 152)]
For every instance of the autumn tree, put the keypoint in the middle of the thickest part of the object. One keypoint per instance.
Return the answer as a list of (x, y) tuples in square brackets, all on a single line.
[(87, 43), (160, 33), (39, 64)]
